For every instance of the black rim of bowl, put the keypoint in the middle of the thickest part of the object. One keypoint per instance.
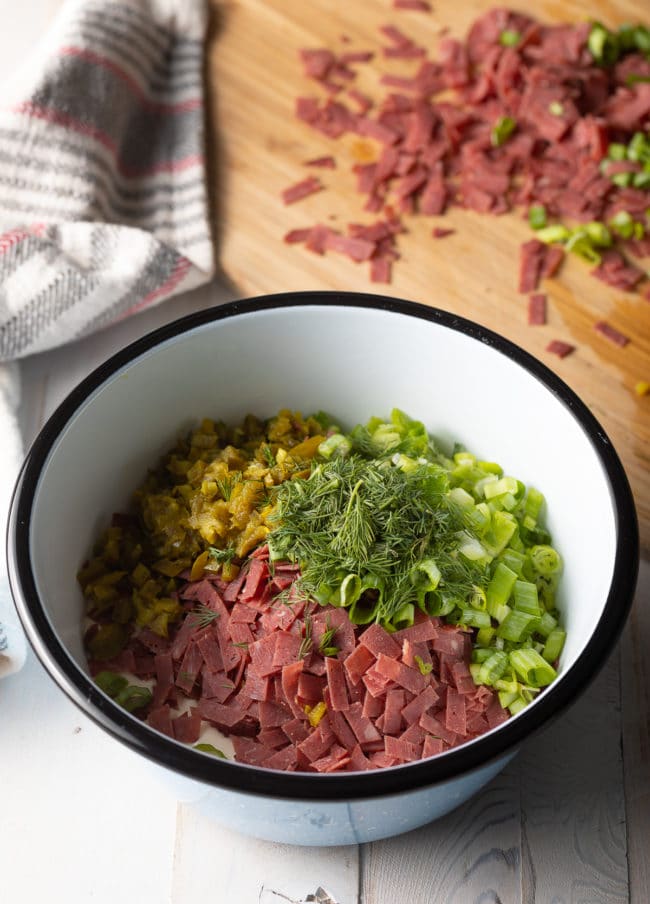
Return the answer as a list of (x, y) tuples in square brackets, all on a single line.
[(300, 785)]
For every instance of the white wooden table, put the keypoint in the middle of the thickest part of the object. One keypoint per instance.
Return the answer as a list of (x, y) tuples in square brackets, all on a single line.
[(567, 821), (83, 820)]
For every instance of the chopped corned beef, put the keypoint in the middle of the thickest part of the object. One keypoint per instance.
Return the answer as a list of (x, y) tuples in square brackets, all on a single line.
[(327, 162), (616, 271), (564, 109), (377, 700), (301, 190), (537, 309), (418, 5), (560, 348), (611, 333)]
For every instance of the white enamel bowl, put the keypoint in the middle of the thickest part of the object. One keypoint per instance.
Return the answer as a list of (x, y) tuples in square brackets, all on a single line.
[(355, 356)]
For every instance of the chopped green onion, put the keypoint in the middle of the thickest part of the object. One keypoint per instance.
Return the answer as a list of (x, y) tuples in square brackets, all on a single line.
[(500, 587), (513, 560), (617, 151), (556, 108), (134, 697), (474, 670), (502, 528), (502, 130), (517, 705), (517, 625), (404, 617), (626, 37), (480, 654), (129, 696), (474, 618), (209, 748), (477, 598), (479, 517), (472, 549), (461, 498), (546, 624), (509, 37), (484, 636), (424, 667), (599, 234), (506, 698), (623, 180), (348, 591), (533, 504), (554, 644), (337, 444), (499, 614), (532, 668), (425, 577), (537, 216), (638, 148), (623, 224), (544, 559), (493, 668), (499, 487), (579, 243), (111, 683), (490, 467), (525, 596), (603, 45), (641, 37), (555, 233)]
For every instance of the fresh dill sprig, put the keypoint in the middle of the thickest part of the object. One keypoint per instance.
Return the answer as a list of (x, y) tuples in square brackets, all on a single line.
[(203, 615), (307, 641), (227, 484), (371, 518), (222, 556), (269, 457), (326, 647)]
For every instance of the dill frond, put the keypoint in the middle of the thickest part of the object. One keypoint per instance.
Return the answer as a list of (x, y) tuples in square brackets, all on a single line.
[(203, 615), (362, 516)]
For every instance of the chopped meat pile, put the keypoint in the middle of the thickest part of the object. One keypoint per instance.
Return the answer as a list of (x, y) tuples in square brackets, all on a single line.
[(297, 686), (517, 114)]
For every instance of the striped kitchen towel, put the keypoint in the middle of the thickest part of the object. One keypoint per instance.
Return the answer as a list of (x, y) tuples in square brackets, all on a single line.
[(103, 196)]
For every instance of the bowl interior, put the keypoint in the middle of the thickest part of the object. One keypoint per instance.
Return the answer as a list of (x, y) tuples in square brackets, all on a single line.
[(352, 362)]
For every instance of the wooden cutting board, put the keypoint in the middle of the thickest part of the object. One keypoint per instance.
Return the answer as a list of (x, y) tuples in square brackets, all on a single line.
[(259, 148)]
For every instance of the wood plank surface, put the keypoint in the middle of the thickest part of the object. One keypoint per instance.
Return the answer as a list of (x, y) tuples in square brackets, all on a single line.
[(212, 863), (550, 827), (259, 149), (473, 854)]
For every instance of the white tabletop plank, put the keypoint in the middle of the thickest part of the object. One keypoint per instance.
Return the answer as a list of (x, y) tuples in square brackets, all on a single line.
[(213, 861), (196, 857), (470, 855), (572, 802), (81, 815), (475, 854), (555, 832)]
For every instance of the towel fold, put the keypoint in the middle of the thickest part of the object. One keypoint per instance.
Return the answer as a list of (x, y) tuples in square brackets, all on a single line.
[(103, 195), (103, 198)]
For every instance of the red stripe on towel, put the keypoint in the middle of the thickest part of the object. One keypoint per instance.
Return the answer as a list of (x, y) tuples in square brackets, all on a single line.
[(9, 239), (97, 59), (57, 117), (75, 125)]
